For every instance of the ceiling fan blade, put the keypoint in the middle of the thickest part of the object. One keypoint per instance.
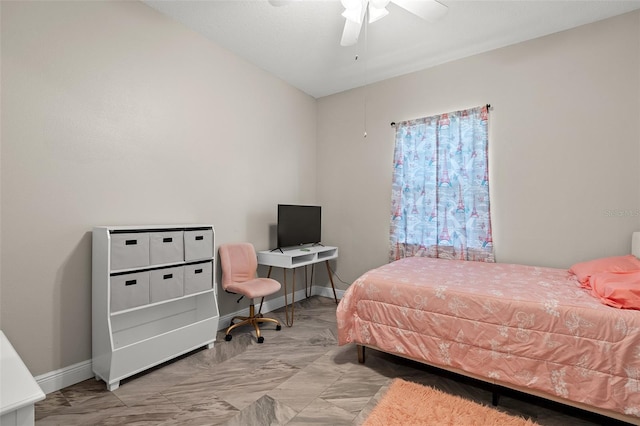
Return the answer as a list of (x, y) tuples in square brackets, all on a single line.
[(376, 14), (350, 33), (429, 10)]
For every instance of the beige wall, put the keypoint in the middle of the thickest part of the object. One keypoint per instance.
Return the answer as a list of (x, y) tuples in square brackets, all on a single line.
[(113, 114), (564, 146)]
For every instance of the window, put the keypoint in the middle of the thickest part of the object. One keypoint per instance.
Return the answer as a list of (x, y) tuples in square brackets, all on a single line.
[(440, 192)]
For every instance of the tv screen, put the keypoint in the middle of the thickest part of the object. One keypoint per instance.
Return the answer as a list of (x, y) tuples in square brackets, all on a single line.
[(298, 225)]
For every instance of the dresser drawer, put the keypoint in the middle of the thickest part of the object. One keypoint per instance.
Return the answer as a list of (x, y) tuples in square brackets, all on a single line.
[(129, 250), (166, 283), (166, 247), (198, 244), (129, 291), (198, 277)]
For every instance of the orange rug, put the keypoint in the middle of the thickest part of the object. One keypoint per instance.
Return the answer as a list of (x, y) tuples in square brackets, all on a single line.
[(407, 403)]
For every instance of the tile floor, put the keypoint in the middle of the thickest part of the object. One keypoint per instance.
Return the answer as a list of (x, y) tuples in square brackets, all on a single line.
[(298, 376)]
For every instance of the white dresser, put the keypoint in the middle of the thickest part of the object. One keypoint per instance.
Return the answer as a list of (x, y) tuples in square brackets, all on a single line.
[(18, 389), (153, 294)]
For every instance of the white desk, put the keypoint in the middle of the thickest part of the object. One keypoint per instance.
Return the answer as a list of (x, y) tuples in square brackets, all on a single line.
[(18, 389), (292, 258)]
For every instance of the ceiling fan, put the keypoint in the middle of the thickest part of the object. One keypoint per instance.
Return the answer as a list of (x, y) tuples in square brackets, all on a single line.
[(356, 11)]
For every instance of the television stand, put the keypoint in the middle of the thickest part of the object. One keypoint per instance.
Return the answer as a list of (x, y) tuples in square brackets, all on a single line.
[(291, 258)]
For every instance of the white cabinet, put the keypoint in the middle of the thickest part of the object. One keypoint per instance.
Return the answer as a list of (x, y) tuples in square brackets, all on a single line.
[(153, 295), (19, 391)]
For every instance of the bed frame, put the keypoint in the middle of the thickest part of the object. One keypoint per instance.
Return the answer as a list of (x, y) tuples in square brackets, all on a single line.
[(495, 384)]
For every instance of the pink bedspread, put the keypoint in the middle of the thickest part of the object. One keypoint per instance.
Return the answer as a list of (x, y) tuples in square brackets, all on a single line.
[(527, 326)]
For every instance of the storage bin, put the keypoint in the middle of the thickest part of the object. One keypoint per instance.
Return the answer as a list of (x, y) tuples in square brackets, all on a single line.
[(198, 277), (198, 244), (129, 290), (166, 247), (129, 250), (166, 283)]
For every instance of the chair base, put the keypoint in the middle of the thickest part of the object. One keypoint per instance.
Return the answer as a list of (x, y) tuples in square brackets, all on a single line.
[(252, 319)]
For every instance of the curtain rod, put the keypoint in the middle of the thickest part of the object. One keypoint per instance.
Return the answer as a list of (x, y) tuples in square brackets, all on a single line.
[(393, 123)]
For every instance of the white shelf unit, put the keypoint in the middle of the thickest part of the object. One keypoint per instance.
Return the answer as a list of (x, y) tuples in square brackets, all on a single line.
[(294, 257), (153, 295)]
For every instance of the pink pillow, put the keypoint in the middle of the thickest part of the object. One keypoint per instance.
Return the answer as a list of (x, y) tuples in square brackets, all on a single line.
[(617, 289), (584, 270)]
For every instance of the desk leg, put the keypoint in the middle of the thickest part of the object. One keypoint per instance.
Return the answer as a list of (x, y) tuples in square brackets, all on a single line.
[(288, 322), (307, 285), (331, 279)]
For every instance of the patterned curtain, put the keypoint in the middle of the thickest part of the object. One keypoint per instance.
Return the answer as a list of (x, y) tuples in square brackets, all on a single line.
[(440, 199)]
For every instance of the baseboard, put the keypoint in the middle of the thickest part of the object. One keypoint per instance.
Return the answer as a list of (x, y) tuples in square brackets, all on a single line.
[(76, 373), (326, 292), (67, 376)]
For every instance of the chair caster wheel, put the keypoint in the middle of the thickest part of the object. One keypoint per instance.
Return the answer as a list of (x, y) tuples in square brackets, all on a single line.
[(260, 339), (278, 327), (227, 337)]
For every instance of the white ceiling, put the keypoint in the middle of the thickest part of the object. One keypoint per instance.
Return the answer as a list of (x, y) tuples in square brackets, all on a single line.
[(300, 41)]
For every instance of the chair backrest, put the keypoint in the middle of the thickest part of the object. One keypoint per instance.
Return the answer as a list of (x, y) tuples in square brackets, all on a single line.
[(239, 263)]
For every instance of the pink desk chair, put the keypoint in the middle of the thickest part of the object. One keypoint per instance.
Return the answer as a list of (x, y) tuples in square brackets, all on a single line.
[(239, 264)]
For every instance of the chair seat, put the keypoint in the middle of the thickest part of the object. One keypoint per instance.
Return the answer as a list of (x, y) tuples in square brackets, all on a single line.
[(257, 287)]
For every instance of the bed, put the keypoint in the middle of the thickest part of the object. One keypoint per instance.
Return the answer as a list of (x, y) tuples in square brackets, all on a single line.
[(533, 329)]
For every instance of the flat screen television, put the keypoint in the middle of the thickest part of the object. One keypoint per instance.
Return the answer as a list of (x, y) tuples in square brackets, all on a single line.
[(298, 225)]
